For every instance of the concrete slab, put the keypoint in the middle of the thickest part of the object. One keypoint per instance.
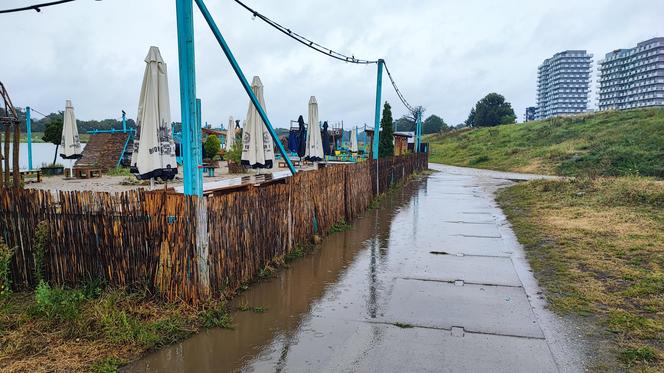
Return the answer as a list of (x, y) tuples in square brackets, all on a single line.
[(470, 269), (365, 347), (476, 308), (438, 351)]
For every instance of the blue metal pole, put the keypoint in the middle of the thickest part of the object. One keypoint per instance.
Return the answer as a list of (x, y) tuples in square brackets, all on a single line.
[(418, 132), (186, 59), (379, 90), (28, 127), (245, 83), (124, 121), (197, 138)]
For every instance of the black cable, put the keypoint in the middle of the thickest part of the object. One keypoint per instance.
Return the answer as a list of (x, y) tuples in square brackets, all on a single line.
[(37, 111), (399, 94), (324, 50), (304, 41), (35, 6)]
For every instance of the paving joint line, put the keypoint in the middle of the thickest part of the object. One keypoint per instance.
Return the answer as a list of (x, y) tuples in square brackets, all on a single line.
[(413, 326), (454, 281)]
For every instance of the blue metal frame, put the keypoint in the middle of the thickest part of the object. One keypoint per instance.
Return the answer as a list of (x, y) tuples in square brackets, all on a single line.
[(379, 90), (28, 127), (197, 138), (124, 148), (124, 121), (243, 80), (418, 132), (187, 65)]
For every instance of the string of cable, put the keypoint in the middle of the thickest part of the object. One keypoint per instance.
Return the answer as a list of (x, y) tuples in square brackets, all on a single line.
[(324, 50), (399, 94), (303, 40), (38, 112), (36, 7)]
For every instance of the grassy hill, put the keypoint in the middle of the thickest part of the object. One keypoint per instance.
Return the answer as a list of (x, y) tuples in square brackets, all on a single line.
[(609, 144)]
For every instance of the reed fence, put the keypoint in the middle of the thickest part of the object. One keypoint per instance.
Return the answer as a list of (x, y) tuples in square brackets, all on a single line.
[(148, 239)]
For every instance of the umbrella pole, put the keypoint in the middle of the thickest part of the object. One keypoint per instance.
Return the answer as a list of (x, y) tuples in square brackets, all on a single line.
[(151, 184)]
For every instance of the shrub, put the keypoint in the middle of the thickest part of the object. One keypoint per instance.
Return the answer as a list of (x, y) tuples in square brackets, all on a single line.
[(58, 303), (211, 146)]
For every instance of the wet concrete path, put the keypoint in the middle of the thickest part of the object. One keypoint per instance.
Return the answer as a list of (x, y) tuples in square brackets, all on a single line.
[(432, 281)]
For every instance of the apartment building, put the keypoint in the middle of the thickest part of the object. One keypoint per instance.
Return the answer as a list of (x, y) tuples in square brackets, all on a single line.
[(563, 84)]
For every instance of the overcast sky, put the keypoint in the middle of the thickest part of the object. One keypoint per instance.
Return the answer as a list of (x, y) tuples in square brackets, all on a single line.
[(444, 54)]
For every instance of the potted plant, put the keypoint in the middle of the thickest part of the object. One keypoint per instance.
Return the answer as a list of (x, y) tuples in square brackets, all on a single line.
[(52, 169)]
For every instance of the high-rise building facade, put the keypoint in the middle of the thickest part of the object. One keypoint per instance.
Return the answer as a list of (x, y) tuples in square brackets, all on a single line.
[(632, 78), (530, 114), (563, 84)]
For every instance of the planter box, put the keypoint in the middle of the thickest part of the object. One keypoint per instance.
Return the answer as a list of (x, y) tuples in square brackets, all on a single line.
[(53, 171)]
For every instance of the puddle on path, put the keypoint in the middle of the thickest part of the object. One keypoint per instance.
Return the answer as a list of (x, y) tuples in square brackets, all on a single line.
[(291, 298)]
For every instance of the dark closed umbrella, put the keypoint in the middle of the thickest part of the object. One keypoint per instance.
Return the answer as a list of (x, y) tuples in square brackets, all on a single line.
[(326, 139), (302, 139), (293, 142)]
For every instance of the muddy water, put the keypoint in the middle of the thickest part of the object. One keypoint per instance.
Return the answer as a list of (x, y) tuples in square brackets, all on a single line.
[(346, 264)]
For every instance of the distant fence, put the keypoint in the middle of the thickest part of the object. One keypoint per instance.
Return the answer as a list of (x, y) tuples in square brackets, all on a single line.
[(148, 239)]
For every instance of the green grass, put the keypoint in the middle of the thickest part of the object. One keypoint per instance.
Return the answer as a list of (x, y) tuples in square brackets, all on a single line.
[(119, 171), (603, 144), (94, 329), (597, 248), (340, 226)]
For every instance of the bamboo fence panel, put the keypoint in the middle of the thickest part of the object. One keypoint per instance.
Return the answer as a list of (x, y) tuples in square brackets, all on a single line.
[(148, 239)]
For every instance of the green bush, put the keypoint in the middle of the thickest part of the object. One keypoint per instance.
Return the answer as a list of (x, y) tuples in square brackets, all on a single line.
[(216, 317), (235, 154), (211, 146), (58, 303)]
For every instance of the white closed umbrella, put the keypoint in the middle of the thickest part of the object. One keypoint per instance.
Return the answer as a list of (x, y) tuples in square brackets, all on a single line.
[(230, 134), (70, 142), (154, 148), (257, 145), (314, 150), (353, 140)]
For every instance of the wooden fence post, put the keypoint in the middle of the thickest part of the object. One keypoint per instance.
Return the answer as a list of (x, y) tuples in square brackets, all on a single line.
[(202, 247)]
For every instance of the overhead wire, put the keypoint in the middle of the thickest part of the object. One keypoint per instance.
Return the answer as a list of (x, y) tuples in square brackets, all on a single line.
[(399, 94), (35, 7), (305, 41), (324, 50), (38, 112)]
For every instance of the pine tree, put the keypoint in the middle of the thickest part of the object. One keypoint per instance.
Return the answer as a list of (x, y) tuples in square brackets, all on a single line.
[(386, 139)]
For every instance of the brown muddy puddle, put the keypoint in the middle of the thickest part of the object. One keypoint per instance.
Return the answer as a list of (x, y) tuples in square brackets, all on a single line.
[(345, 263)]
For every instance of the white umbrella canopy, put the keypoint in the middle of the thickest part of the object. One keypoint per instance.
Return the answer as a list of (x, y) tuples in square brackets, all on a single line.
[(230, 134), (70, 142), (314, 150), (353, 140), (154, 148), (257, 144)]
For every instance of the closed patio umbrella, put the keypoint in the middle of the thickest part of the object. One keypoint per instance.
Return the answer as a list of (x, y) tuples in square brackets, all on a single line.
[(230, 134), (257, 144), (154, 148), (302, 137), (71, 143), (353, 140), (314, 150), (326, 139)]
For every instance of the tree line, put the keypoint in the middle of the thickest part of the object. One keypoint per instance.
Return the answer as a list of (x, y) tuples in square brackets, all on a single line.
[(39, 122)]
